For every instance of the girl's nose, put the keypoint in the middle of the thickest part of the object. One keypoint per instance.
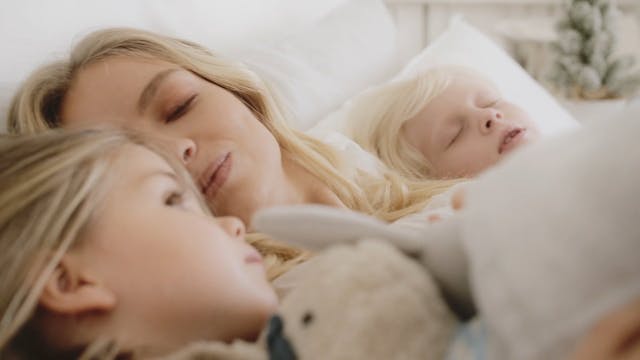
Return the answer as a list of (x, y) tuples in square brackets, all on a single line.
[(232, 226), (489, 120)]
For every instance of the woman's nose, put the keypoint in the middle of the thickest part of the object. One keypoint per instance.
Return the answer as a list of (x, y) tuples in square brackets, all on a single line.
[(232, 226), (186, 150), (488, 120)]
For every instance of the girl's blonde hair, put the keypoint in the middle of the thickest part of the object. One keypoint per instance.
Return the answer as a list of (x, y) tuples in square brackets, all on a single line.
[(52, 184), (37, 106), (376, 120)]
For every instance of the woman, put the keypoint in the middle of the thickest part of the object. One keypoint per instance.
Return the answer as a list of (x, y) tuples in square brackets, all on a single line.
[(217, 116)]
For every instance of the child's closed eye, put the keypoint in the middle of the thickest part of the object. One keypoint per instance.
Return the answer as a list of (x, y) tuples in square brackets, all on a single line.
[(456, 136)]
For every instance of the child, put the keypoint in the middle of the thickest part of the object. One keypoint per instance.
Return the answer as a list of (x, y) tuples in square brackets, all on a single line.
[(106, 247), (448, 122)]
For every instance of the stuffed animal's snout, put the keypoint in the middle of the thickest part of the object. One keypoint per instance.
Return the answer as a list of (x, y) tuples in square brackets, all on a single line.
[(279, 346)]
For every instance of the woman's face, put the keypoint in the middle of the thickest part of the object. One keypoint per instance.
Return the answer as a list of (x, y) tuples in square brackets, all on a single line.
[(232, 157), (177, 274), (467, 128)]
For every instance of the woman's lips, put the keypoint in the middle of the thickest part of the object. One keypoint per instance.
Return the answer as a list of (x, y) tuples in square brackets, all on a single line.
[(511, 139), (216, 175)]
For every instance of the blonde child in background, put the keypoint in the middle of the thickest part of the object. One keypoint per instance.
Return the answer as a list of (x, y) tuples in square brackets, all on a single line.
[(448, 122), (107, 248)]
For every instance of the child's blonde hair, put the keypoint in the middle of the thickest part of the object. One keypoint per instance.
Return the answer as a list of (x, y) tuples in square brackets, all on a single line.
[(51, 185), (376, 120), (36, 107)]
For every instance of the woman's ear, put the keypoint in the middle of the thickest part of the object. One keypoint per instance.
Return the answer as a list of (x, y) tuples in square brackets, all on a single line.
[(71, 290)]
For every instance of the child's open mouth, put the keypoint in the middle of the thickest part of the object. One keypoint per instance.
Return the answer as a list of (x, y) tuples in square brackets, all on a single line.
[(511, 139)]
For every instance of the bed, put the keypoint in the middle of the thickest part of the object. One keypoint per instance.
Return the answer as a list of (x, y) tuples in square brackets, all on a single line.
[(318, 56)]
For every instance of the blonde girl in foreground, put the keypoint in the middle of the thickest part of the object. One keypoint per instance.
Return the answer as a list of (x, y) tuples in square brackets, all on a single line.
[(108, 252), (447, 122), (105, 242), (215, 115)]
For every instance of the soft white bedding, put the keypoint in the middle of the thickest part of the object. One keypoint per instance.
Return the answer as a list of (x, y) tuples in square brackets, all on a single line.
[(315, 54)]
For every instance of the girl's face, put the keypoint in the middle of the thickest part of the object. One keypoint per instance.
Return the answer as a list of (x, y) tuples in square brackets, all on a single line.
[(467, 128), (230, 154), (176, 273)]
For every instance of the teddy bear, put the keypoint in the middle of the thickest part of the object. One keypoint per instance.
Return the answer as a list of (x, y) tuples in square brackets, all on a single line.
[(547, 243)]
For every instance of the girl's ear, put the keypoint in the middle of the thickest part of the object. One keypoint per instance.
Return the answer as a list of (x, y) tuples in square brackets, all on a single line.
[(71, 290)]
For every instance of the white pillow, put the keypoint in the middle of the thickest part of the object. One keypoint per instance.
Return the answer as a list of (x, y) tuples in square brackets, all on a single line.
[(461, 44), (315, 56), (314, 72)]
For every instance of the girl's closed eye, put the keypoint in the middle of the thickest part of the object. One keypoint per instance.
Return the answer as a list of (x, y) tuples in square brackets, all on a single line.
[(178, 110), (491, 102), (182, 199), (456, 136), (174, 198)]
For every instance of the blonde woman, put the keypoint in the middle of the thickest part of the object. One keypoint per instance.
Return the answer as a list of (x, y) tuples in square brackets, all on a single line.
[(217, 116), (447, 122), (102, 237)]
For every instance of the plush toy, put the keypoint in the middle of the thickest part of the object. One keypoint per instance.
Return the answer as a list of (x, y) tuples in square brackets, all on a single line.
[(367, 301), (547, 243)]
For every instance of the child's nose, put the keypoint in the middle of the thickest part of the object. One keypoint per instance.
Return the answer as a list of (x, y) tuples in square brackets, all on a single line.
[(232, 226), (488, 120)]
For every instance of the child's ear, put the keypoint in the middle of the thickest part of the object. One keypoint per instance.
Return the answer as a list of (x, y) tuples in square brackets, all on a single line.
[(71, 290)]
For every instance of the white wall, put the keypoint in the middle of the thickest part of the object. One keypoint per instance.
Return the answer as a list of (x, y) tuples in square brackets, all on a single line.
[(430, 18), (508, 22)]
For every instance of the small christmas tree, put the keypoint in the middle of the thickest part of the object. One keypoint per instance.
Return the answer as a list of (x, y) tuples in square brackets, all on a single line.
[(584, 67)]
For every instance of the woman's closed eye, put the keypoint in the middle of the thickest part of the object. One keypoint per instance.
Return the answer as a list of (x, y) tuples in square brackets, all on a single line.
[(179, 110)]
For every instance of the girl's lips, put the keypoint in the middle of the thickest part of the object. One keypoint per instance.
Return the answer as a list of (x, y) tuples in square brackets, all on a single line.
[(216, 175), (511, 139), (253, 258)]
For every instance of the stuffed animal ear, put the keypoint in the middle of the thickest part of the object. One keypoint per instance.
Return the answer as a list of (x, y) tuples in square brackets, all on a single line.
[(316, 227), (438, 248), (444, 256)]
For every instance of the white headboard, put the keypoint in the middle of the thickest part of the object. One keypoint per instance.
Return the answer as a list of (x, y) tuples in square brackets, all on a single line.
[(419, 21)]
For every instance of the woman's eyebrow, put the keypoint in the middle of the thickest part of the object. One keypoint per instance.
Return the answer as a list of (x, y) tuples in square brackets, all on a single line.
[(152, 88)]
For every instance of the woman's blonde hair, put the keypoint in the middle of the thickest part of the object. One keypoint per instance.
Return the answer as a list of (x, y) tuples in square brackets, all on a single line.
[(376, 120), (52, 184), (37, 106)]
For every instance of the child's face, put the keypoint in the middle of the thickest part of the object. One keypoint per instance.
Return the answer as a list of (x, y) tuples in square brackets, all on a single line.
[(177, 274), (467, 128)]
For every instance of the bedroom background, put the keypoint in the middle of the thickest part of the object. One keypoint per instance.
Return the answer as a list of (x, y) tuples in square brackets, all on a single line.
[(318, 53)]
